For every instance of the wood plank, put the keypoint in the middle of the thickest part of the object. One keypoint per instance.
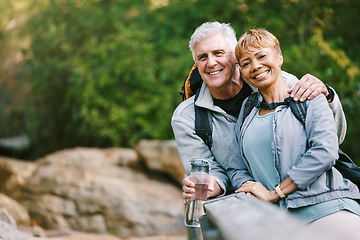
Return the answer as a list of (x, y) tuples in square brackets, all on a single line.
[(242, 217)]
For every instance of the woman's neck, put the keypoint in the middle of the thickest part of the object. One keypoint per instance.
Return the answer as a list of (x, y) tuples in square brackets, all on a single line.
[(275, 93)]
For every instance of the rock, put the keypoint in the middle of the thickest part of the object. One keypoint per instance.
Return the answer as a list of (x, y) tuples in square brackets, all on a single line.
[(162, 156), (162, 237), (13, 213), (34, 230), (90, 237), (9, 232), (6, 217), (14, 172), (18, 213), (98, 191), (76, 235)]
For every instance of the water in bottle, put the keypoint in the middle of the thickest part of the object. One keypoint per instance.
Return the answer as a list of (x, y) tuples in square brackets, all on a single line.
[(200, 177)]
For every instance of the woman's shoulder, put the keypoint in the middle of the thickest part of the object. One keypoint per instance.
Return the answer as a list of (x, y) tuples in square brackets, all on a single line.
[(289, 78), (318, 100)]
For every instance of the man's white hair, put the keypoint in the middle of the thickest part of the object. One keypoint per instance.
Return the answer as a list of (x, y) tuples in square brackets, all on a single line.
[(209, 28)]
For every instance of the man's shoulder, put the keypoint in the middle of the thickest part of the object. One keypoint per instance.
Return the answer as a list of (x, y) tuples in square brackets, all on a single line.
[(185, 108)]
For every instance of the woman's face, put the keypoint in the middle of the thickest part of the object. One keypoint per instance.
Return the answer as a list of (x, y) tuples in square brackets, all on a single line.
[(261, 67)]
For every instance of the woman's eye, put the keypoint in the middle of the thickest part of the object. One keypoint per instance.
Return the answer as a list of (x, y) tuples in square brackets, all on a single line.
[(245, 64), (262, 56)]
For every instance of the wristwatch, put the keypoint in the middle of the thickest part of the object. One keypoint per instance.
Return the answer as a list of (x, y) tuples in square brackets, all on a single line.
[(330, 96)]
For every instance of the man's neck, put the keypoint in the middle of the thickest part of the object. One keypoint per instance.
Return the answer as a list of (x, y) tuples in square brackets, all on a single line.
[(230, 90)]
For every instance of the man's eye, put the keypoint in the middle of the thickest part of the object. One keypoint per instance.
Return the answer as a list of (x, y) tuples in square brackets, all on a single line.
[(219, 53), (262, 56), (201, 58)]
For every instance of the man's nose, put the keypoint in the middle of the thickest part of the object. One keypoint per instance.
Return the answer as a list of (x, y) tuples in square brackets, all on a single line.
[(211, 61)]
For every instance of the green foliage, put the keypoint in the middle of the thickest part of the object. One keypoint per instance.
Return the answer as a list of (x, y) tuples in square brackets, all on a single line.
[(11, 120), (101, 74), (108, 72)]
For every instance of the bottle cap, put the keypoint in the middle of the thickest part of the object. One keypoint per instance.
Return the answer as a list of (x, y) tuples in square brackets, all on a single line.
[(199, 165)]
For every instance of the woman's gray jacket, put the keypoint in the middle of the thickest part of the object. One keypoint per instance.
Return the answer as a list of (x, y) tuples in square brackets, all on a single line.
[(305, 153), (191, 145)]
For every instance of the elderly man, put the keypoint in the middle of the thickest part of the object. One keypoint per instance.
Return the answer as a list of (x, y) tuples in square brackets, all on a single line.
[(222, 94)]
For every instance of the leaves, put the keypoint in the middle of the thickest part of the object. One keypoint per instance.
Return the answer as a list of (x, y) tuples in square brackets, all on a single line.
[(107, 73)]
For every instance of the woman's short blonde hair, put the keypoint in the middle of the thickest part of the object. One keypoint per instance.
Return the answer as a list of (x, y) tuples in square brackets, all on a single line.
[(257, 38)]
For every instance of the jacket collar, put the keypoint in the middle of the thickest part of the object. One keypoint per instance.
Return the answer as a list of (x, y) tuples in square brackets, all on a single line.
[(205, 99)]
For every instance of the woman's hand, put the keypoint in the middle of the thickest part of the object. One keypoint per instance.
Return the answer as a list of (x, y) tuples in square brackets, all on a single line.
[(258, 190)]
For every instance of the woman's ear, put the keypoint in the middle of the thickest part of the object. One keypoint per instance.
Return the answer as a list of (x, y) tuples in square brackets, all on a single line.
[(281, 59)]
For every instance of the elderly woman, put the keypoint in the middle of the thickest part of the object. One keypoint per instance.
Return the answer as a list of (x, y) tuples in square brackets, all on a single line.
[(279, 159)]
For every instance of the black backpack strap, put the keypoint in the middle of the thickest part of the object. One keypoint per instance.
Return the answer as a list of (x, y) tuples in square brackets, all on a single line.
[(346, 166), (252, 102), (299, 110), (202, 123)]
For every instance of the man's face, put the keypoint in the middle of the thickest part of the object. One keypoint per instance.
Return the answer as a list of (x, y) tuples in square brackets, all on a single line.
[(215, 60)]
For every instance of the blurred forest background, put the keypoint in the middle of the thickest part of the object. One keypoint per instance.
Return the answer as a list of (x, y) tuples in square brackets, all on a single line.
[(107, 73)]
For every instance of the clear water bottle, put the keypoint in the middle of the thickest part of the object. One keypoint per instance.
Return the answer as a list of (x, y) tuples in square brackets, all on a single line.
[(200, 176)]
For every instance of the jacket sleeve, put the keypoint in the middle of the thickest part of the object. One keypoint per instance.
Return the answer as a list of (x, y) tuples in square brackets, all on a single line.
[(190, 145), (323, 144), (237, 170), (339, 117), (335, 107)]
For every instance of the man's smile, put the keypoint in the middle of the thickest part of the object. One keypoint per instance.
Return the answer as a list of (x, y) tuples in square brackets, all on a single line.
[(216, 72)]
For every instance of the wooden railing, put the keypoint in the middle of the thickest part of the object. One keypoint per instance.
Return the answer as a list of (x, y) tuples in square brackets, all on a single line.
[(242, 217)]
